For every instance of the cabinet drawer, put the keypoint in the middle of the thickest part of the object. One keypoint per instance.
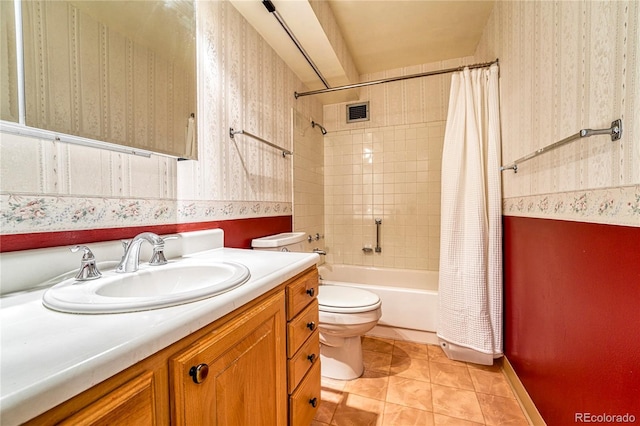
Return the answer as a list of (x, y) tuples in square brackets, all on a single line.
[(301, 292), (302, 326), (304, 402), (306, 357)]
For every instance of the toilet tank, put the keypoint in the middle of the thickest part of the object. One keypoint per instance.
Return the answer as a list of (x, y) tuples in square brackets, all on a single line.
[(287, 241)]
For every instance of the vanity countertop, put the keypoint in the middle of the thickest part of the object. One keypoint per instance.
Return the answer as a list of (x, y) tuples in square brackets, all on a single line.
[(48, 357)]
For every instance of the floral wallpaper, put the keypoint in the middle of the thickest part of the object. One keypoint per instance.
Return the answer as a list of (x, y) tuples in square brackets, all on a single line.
[(565, 66), (242, 83)]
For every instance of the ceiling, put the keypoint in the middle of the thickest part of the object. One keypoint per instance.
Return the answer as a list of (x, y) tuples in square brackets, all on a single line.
[(378, 35)]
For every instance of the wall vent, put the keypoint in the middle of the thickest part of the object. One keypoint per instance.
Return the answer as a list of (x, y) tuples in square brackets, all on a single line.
[(358, 112)]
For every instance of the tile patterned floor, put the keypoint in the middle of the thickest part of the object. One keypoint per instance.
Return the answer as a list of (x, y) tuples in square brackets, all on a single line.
[(407, 383)]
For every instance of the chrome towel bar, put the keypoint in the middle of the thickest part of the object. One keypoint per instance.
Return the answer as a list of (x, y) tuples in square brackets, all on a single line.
[(232, 132), (615, 131)]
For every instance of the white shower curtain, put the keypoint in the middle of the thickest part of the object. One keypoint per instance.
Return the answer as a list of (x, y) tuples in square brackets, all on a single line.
[(470, 292)]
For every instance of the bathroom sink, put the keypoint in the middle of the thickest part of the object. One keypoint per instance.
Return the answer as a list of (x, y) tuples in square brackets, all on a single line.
[(148, 288)]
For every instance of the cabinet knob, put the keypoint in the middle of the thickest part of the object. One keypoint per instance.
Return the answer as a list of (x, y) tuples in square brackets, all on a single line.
[(311, 291), (313, 402), (311, 358), (311, 325), (199, 373)]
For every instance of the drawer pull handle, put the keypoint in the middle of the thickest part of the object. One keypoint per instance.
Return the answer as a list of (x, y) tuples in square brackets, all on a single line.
[(199, 373), (311, 358), (311, 291), (311, 325), (313, 402)]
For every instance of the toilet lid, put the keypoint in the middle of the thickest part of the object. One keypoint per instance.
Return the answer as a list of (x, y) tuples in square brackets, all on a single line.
[(335, 298)]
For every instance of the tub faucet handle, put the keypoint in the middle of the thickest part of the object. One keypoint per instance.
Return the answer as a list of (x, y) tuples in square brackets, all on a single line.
[(88, 268)]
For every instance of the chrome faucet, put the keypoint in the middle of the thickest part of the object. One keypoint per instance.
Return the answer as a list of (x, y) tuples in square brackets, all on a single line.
[(320, 252), (88, 268), (131, 258)]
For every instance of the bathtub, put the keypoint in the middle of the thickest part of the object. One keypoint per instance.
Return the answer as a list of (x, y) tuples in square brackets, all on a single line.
[(409, 298)]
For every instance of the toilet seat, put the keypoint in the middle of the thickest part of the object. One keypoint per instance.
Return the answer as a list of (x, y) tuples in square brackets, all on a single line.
[(346, 300)]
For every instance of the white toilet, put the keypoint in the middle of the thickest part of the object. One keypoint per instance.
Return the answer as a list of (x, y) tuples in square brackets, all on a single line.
[(346, 313)]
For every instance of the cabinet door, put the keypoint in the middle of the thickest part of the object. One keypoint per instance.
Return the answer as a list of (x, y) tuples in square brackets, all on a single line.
[(235, 375), (132, 403)]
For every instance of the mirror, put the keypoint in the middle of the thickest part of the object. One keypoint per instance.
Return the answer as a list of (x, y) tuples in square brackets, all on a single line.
[(122, 72)]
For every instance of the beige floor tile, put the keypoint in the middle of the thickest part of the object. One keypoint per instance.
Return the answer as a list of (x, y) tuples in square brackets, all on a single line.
[(496, 367), (442, 420), (372, 384), (410, 393), (377, 344), (398, 415), (329, 401), (456, 376), (333, 384), (455, 402), (409, 367), (356, 410), (436, 354), (500, 411), (491, 382), (410, 349), (409, 383), (377, 361)]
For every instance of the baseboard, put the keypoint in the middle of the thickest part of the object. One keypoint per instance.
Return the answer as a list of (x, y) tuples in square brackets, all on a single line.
[(397, 333), (525, 401)]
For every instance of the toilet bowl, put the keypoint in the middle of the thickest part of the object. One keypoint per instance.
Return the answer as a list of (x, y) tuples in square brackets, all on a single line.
[(346, 313)]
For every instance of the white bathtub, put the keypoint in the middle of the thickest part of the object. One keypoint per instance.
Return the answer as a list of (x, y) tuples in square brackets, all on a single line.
[(409, 298)]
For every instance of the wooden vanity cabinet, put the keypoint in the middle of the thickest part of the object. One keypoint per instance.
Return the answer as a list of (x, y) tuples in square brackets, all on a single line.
[(245, 381), (303, 348), (236, 375)]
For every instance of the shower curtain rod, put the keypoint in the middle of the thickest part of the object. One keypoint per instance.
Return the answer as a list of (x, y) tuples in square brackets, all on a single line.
[(272, 9), (390, 79)]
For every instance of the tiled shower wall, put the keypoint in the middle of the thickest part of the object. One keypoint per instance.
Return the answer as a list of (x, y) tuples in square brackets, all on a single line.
[(391, 173), (388, 168)]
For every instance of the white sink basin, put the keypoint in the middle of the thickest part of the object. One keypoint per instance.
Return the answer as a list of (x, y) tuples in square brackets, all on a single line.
[(148, 288)]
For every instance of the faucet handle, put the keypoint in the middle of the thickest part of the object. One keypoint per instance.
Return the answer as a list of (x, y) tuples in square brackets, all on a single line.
[(88, 268), (158, 258)]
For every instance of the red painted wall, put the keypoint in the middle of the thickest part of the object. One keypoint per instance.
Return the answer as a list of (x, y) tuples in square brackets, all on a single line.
[(238, 233), (572, 316)]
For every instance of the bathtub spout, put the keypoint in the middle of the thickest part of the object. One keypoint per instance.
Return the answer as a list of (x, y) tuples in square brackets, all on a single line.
[(320, 252)]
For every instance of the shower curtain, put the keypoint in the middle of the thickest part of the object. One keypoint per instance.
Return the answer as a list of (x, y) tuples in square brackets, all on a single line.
[(470, 292)]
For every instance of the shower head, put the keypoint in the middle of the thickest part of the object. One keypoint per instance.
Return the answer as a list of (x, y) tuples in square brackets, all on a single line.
[(322, 129)]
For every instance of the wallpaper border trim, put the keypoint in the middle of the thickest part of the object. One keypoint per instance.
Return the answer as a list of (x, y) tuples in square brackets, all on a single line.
[(22, 213), (613, 206)]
